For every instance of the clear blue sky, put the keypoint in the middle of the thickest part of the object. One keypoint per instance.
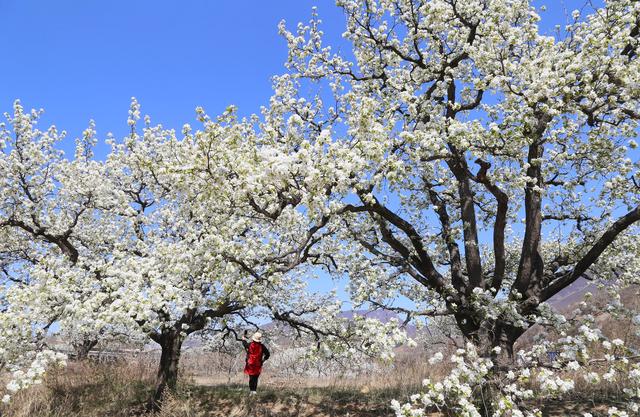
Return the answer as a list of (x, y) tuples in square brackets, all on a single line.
[(82, 60)]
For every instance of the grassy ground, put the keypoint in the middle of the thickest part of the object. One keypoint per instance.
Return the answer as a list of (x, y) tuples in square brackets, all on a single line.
[(232, 401), (87, 390), (90, 390)]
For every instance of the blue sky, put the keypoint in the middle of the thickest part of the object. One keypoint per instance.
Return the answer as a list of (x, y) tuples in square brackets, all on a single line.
[(82, 60)]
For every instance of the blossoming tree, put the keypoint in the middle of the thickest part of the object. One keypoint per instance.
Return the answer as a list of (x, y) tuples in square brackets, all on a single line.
[(480, 165), (193, 258), (45, 212), (221, 229)]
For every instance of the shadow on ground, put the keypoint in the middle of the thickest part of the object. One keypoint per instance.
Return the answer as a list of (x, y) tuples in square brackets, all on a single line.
[(234, 401)]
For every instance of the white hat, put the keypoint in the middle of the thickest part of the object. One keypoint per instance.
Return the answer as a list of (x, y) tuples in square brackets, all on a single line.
[(257, 337)]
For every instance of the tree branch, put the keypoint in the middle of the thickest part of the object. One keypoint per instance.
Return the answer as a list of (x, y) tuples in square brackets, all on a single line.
[(592, 255)]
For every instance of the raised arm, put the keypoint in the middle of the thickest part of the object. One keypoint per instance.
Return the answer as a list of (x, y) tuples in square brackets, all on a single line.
[(245, 344)]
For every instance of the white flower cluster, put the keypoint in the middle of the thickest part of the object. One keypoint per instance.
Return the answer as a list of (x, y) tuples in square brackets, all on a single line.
[(506, 392), (455, 393), (32, 375)]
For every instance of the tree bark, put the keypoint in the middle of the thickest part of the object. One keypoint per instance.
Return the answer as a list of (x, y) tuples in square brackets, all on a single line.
[(167, 376), (83, 348), (505, 336), (497, 334), (492, 335)]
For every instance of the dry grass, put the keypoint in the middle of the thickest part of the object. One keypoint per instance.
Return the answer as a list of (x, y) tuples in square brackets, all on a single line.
[(84, 389), (117, 390)]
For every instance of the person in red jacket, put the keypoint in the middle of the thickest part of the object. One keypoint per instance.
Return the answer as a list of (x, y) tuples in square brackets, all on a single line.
[(257, 354)]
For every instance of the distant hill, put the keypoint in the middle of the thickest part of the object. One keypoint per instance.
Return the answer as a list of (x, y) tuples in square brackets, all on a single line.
[(573, 294)]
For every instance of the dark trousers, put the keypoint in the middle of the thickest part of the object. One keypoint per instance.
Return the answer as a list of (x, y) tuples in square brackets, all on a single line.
[(253, 382)]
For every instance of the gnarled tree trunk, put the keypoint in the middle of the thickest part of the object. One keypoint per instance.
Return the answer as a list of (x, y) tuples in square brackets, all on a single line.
[(167, 376)]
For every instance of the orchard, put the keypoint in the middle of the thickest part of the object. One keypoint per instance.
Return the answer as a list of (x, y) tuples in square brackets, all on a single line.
[(457, 164)]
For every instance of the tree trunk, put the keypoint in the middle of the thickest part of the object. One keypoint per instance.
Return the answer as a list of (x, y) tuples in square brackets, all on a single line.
[(504, 337), (83, 348), (167, 377), (495, 335)]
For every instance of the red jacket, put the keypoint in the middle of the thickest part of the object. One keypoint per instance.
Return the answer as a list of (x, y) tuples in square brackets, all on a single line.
[(257, 353)]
